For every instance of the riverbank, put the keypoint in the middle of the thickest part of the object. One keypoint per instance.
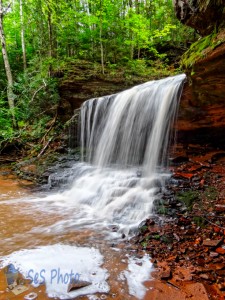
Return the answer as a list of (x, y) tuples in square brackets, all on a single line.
[(186, 239)]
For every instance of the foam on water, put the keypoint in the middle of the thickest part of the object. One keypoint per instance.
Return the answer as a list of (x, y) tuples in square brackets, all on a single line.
[(138, 272), (55, 265), (49, 262)]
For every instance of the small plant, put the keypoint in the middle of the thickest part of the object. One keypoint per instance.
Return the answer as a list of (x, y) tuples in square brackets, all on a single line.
[(161, 210), (143, 228), (210, 193), (144, 244), (156, 237), (199, 221), (188, 198)]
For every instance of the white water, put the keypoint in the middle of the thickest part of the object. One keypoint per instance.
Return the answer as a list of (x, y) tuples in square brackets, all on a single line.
[(124, 141), (73, 263), (132, 127), (137, 273)]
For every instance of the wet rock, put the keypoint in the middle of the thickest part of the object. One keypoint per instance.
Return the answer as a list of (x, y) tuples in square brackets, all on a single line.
[(204, 276), (179, 160), (77, 285), (123, 236), (187, 240), (172, 258), (166, 274), (220, 272), (202, 16), (213, 254), (197, 290), (216, 266), (211, 243), (220, 250), (184, 221), (150, 222), (187, 176), (176, 236), (217, 156), (31, 296), (221, 286)]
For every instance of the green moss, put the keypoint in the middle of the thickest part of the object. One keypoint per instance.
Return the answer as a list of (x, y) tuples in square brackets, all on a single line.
[(188, 198), (144, 244), (199, 221), (200, 49), (211, 193), (156, 237)]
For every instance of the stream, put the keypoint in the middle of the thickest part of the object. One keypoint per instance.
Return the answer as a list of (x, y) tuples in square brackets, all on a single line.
[(108, 263)]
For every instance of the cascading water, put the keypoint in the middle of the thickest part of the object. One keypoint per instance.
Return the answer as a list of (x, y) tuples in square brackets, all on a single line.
[(132, 127), (124, 142)]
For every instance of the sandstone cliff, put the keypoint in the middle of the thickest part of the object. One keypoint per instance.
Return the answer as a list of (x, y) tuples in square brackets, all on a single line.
[(202, 110)]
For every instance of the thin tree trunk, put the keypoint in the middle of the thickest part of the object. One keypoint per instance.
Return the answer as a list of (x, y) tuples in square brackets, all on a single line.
[(139, 52), (131, 45), (137, 8), (22, 36), (101, 44), (10, 93), (50, 33), (50, 36)]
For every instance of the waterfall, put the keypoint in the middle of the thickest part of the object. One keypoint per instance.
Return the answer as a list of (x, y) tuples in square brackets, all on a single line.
[(124, 140), (131, 128)]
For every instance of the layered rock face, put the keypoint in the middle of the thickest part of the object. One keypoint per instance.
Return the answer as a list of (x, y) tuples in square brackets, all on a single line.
[(202, 15), (82, 81), (202, 110)]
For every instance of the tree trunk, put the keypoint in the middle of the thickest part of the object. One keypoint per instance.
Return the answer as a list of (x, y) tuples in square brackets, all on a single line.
[(131, 45), (10, 93), (50, 36), (22, 36), (101, 44)]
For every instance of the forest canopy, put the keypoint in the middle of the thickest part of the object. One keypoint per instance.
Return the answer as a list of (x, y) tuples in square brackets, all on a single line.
[(38, 37)]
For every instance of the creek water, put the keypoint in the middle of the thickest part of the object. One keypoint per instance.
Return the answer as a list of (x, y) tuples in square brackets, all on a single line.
[(81, 228)]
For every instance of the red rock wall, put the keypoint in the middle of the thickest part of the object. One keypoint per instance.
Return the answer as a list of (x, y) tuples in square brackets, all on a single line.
[(201, 118)]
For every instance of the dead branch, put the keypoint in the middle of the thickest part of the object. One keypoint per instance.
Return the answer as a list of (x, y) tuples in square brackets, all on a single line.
[(50, 128), (75, 115), (44, 148), (205, 217), (38, 90)]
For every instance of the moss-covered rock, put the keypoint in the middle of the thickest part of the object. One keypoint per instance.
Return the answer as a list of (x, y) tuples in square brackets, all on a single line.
[(81, 80), (201, 49), (201, 117)]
